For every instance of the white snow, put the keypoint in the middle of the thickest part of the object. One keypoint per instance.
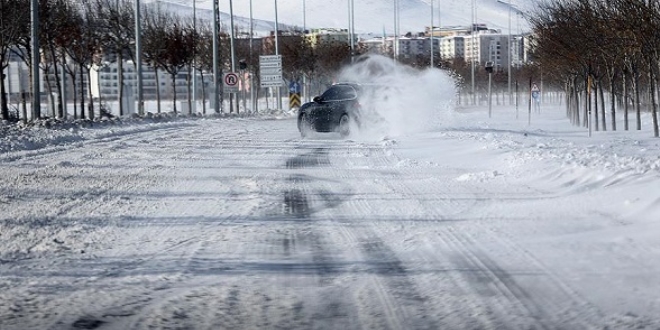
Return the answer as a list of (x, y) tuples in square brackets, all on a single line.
[(230, 223)]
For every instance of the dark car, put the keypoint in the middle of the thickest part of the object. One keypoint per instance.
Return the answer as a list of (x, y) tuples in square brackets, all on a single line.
[(333, 111)]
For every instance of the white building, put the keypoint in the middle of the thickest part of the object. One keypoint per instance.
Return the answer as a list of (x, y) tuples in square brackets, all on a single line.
[(452, 47), (518, 51), (488, 47), (410, 47), (329, 35), (105, 82), (373, 45)]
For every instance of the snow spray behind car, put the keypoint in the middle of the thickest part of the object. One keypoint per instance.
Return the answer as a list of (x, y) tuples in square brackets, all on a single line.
[(398, 99)]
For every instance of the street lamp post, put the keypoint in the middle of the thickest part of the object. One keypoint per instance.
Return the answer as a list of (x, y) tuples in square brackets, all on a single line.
[(473, 49), (509, 54), (253, 101), (351, 27), (194, 68), (216, 72), (231, 45), (34, 34), (304, 10), (138, 57), (395, 46), (431, 33), (304, 18), (277, 52)]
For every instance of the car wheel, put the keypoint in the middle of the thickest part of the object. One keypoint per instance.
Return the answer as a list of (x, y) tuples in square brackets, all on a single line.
[(344, 126)]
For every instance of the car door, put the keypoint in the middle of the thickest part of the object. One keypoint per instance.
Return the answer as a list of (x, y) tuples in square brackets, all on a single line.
[(327, 102)]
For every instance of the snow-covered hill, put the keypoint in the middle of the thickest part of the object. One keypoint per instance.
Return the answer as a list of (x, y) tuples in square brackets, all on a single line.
[(371, 16)]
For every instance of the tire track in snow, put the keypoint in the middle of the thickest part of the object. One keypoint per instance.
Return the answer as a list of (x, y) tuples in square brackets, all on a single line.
[(555, 306), (388, 298), (304, 198)]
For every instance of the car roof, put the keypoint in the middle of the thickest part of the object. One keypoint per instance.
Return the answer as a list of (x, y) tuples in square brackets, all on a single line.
[(363, 85)]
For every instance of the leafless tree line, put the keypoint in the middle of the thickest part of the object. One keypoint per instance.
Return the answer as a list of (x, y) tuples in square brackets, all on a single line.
[(598, 48), (76, 36)]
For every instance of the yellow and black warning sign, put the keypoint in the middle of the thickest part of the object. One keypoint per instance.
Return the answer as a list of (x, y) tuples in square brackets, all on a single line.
[(294, 100)]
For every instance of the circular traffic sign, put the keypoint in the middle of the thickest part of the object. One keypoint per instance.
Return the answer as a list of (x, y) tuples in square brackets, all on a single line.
[(231, 79)]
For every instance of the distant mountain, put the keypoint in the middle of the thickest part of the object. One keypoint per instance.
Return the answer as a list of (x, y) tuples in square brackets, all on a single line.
[(183, 8), (371, 16)]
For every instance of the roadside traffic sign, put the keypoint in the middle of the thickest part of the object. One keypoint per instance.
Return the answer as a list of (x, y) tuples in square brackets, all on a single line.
[(270, 70), (230, 81), (294, 87)]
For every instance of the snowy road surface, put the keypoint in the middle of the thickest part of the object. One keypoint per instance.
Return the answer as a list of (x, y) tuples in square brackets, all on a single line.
[(240, 224)]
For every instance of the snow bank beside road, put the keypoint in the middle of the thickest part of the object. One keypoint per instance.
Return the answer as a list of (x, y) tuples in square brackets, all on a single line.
[(52, 132)]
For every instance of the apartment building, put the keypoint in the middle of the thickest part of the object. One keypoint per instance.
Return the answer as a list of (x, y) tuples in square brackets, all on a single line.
[(452, 47), (329, 35), (105, 81), (488, 47)]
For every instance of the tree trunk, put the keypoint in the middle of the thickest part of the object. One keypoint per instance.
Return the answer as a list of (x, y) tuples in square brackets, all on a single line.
[(157, 89), (575, 104), (612, 102), (596, 126), (174, 91), (82, 93), (189, 84), (120, 84), (75, 94), (602, 104), (49, 88), (638, 101), (90, 107), (654, 109), (587, 102), (58, 84), (652, 77), (3, 97), (568, 99), (625, 100), (71, 72), (203, 96)]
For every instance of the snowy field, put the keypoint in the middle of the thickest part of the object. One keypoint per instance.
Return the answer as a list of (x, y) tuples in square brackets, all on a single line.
[(238, 223)]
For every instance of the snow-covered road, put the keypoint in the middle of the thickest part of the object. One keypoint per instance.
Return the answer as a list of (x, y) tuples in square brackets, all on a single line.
[(240, 224)]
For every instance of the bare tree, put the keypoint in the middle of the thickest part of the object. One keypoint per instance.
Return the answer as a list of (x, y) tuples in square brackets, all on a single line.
[(116, 19), (10, 30), (610, 42)]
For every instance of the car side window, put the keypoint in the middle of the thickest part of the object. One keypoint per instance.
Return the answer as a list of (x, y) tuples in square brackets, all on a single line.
[(347, 93), (339, 93), (331, 94)]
